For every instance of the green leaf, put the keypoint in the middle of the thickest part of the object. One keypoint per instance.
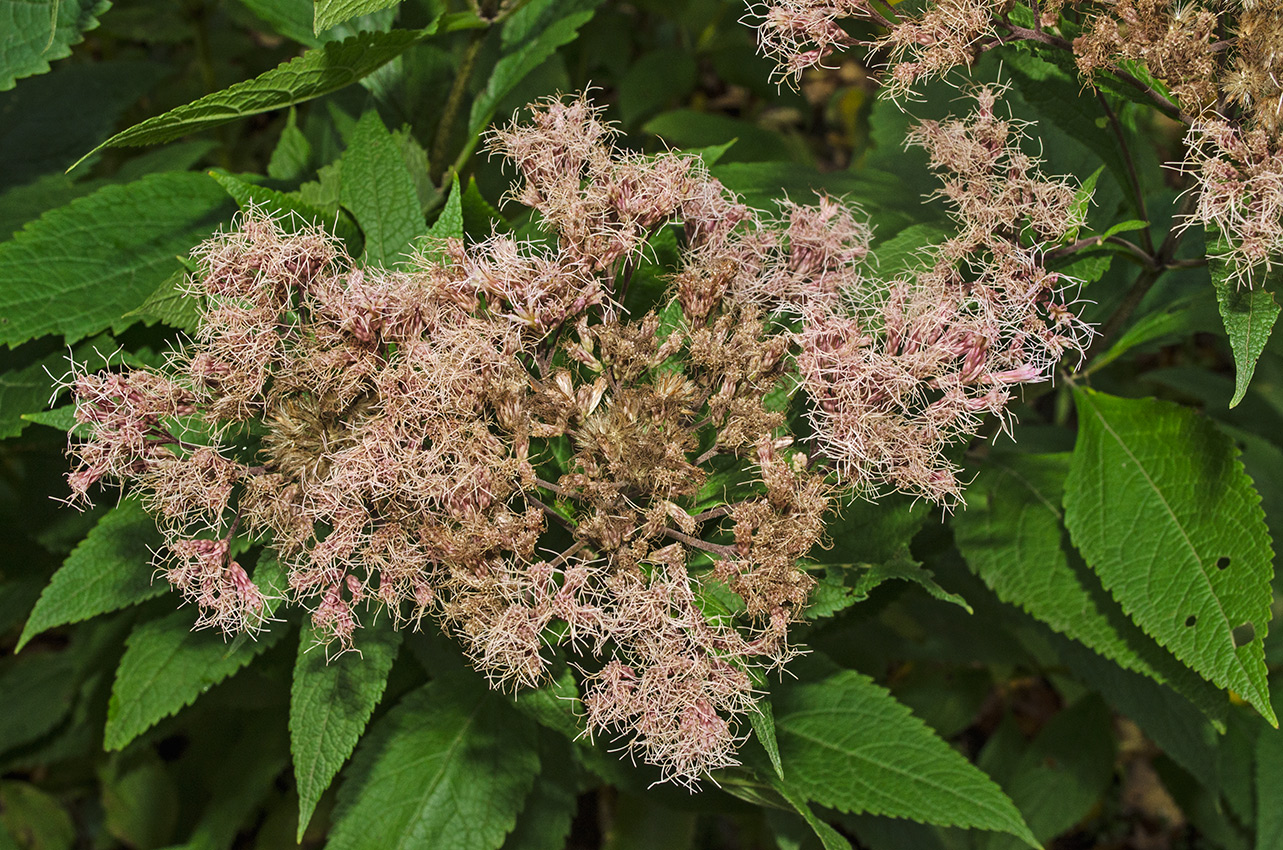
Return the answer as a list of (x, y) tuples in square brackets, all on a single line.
[(529, 37), (166, 666), (450, 766), (1249, 315), (848, 744), (1123, 227), (38, 690), (762, 717), (907, 249), (1082, 201), (290, 205), (830, 838), (1158, 503), (379, 191), (292, 156), (1269, 791), (330, 703), (449, 223), (34, 818), (36, 33), (79, 267), (331, 12), (316, 72), (1177, 318), (1010, 535), (479, 215), (171, 305), (654, 81), (49, 121), (110, 569), (1063, 773), (687, 128), (549, 809), (139, 798)]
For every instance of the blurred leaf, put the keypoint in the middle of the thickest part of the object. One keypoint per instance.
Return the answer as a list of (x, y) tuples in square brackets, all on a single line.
[(656, 80), (110, 569), (1159, 504), (686, 128), (330, 703), (1269, 791), (317, 72), (39, 690), (529, 37), (166, 666), (47, 122), (34, 818), (1063, 773), (379, 192), (1174, 319), (292, 156), (331, 12), (549, 809), (830, 838), (848, 744), (37, 33), (79, 267), (450, 766), (139, 800)]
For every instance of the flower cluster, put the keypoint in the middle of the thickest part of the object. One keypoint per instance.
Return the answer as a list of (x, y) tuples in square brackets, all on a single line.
[(492, 441), (1218, 64)]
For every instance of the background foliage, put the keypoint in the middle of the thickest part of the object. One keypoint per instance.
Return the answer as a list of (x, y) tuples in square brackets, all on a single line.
[(1079, 658)]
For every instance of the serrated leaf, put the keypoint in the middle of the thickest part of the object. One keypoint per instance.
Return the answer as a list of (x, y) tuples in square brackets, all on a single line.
[(762, 718), (315, 73), (1269, 791), (907, 249), (79, 267), (1010, 535), (529, 37), (330, 703), (330, 12), (166, 666), (291, 206), (1158, 503), (846, 743), (450, 766), (36, 33), (379, 191), (171, 305), (1249, 315), (449, 223), (110, 569)]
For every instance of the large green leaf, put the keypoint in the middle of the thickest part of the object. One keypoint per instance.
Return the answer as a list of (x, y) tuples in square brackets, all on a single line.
[(450, 766), (529, 37), (317, 72), (33, 34), (108, 570), (331, 12), (1010, 535), (848, 744), (78, 268), (1249, 316), (330, 703), (378, 190), (1159, 504), (293, 211), (166, 666), (549, 809)]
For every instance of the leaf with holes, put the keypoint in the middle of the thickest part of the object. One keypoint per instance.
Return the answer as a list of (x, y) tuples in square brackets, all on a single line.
[(330, 703), (846, 743), (1158, 503), (1011, 536), (450, 766)]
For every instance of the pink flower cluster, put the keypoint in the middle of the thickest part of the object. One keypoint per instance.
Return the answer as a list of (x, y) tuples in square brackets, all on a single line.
[(490, 441)]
